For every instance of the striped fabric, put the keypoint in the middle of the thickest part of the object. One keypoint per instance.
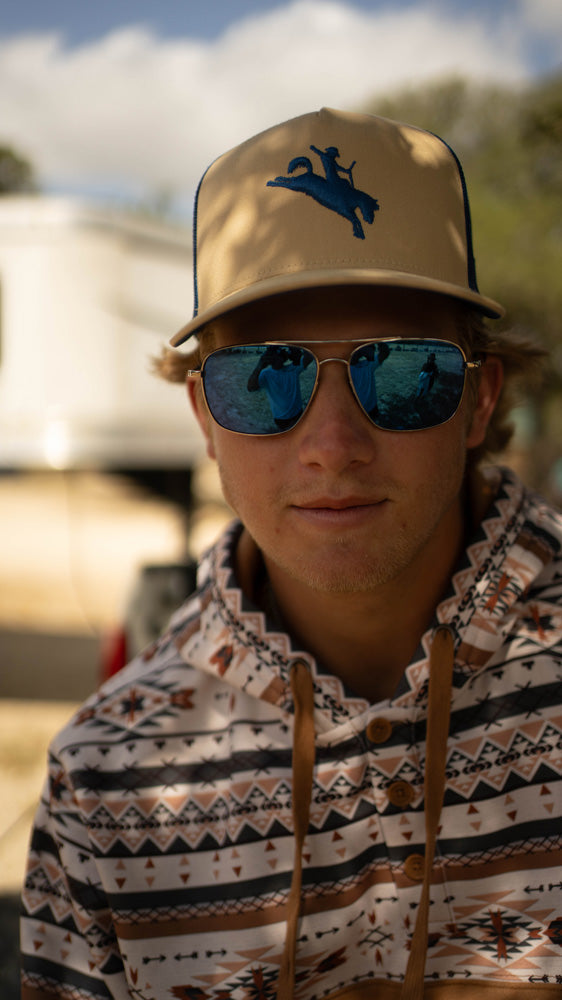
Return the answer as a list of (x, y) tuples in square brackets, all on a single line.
[(162, 852)]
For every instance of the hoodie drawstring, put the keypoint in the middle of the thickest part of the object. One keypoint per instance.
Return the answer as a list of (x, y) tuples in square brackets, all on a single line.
[(439, 708), (438, 716), (303, 765)]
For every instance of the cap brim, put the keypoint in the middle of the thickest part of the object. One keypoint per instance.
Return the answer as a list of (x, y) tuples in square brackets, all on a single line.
[(340, 277)]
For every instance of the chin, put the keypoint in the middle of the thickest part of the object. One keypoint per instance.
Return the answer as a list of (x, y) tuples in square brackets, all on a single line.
[(333, 575)]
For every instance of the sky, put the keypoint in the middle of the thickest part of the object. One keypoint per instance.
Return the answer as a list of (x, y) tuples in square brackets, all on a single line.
[(128, 101)]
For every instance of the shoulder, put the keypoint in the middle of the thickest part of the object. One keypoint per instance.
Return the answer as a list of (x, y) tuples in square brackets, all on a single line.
[(162, 690), (541, 534), (151, 689), (520, 510)]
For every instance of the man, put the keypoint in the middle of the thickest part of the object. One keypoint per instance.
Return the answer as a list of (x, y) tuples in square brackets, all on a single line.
[(335, 775), (426, 377), (279, 374)]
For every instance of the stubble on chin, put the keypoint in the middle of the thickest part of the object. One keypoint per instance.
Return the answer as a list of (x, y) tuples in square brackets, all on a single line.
[(338, 569), (344, 564)]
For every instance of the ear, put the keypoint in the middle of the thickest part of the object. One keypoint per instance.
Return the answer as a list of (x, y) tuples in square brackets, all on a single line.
[(489, 388), (199, 407)]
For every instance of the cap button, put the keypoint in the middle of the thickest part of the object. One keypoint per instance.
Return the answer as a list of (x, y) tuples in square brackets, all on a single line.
[(413, 867), (379, 730)]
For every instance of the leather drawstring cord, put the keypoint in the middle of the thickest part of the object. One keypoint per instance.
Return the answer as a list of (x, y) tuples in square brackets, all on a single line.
[(439, 709), (438, 716), (303, 764)]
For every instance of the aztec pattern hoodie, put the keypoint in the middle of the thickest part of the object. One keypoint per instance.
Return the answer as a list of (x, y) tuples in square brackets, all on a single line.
[(223, 821)]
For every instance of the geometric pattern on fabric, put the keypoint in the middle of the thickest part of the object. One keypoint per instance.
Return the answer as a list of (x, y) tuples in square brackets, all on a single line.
[(162, 851)]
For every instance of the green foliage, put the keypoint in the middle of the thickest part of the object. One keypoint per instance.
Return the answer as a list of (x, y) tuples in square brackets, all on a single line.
[(16, 173), (510, 144)]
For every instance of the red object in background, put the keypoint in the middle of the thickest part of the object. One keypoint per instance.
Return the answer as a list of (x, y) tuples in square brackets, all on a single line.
[(158, 592), (114, 654)]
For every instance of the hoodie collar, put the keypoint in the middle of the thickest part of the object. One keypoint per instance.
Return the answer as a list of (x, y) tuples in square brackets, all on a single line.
[(234, 640)]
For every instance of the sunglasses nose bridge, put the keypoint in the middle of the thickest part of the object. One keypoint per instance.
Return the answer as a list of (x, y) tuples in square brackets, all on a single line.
[(325, 361), (342, 361)]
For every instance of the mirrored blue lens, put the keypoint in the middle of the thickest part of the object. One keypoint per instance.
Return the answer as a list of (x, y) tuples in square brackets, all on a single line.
[(408, 385), (259, 388)]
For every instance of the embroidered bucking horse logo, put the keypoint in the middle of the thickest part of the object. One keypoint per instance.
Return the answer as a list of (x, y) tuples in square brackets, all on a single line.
[(335, 191)]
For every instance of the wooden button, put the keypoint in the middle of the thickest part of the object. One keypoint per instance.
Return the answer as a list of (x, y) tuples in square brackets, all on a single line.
[(413, 867), (400, 793), (379, 730)]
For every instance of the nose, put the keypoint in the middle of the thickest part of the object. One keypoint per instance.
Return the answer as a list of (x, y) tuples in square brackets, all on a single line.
[(334, 432)]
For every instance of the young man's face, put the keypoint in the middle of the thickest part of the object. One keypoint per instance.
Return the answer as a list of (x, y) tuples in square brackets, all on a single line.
[(337, 503)]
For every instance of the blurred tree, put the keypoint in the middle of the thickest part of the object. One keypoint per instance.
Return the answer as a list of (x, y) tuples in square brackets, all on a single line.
[(16, 173), (510, 143)]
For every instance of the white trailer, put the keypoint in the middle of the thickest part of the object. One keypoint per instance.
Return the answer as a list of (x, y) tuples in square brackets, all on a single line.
[(87, 298)]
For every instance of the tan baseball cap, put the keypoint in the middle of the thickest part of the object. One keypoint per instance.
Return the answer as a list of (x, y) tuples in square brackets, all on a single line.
[(332, 198)]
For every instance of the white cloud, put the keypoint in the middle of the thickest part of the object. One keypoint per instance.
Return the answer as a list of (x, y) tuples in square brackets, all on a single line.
[(140, 112), (544, 17)]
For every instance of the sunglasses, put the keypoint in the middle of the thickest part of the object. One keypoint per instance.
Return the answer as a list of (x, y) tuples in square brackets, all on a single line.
[(401, 384)]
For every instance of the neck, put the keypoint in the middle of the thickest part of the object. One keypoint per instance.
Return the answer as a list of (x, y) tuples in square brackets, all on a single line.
[(366, 638)]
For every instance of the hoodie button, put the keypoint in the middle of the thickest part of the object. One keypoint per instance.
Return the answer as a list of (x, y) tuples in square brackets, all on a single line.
[(379, 730), (413, 867), (400, 793)]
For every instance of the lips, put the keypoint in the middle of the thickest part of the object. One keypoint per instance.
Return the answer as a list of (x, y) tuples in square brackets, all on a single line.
[(332, 503), (340, 514)]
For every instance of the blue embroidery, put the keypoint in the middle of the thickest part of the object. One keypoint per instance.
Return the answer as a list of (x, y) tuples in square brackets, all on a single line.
[(334, 191)]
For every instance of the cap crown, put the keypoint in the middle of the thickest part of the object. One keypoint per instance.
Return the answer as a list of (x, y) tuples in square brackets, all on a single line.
[(332, 197)]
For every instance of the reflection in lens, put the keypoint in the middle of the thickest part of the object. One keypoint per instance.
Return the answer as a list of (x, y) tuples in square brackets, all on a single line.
[(408, 384), (259, 388)]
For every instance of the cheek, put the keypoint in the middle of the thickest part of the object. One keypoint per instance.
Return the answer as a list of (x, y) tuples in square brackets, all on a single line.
[(251, 475), (433, 461)]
